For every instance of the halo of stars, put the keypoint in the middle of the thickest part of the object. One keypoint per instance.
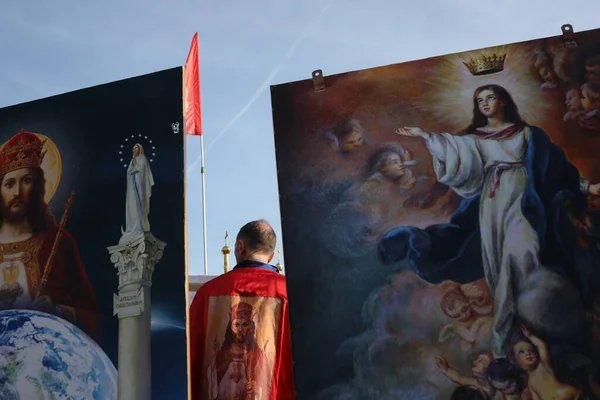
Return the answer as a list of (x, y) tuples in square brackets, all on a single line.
[(149, 148)]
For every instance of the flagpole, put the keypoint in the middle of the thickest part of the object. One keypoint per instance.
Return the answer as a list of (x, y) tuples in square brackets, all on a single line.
[(203, 204)]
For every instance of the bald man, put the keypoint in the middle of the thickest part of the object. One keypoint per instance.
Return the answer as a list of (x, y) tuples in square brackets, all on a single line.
[(240, 342)]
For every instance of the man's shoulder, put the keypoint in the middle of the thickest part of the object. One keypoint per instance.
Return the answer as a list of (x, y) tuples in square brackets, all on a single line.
[(261, 280)]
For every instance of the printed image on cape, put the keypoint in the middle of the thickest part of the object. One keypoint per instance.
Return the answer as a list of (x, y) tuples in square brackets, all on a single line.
[(239, 337), (81, 172), (452, 211), (243, 350)]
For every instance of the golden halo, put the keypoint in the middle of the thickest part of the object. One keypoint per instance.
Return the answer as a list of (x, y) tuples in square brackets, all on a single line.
[(450, 99), (51, 165)]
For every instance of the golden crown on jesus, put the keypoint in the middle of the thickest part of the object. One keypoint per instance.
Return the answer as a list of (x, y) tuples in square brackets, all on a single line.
[(24, 150), (242, 311), (486, 65)]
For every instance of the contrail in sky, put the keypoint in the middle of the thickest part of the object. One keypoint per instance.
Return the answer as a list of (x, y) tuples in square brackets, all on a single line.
[(265, 84)]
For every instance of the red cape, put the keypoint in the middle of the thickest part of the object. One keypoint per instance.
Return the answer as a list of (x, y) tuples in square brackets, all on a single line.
[(266, 291)]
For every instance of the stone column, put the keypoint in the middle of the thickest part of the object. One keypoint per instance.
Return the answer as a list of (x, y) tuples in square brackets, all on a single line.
[(135, 263)]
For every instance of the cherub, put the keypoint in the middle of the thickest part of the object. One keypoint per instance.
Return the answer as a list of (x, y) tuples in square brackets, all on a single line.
[(466, 323), (530, 353), (386, 176), (592, 68), (545, 69), (479, 370), (479, 297), (508, 380), (390, 163), (573, 103), (550, 80), (589, 118), (346, 136), (590, 98)]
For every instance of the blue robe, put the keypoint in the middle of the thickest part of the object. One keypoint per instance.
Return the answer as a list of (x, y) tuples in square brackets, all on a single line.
[(452, 251)]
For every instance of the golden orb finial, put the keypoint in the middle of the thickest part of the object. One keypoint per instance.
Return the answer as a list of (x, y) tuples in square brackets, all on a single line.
[(279, 265), (226, 251)]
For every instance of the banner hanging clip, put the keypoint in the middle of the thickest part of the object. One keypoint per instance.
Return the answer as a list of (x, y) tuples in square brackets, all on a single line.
[(568, 36), (318, 80)]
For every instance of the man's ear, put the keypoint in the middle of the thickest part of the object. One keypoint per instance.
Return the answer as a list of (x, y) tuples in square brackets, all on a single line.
[(239, 244), (271, 257)]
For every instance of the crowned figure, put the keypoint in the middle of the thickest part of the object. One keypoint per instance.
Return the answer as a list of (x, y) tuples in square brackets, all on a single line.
[(29, 247), (512, 226), (240, 369)]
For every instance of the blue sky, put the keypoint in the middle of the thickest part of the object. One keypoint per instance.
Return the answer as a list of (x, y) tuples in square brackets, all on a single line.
[(48, 48)]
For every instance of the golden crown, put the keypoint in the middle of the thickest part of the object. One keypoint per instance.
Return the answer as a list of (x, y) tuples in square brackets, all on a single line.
[(24, 150), (486, 65), (242, 310)]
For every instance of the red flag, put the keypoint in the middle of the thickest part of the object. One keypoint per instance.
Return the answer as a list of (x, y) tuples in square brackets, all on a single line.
[(191, 95)]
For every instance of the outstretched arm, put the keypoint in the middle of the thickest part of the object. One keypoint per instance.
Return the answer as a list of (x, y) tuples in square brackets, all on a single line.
[(414, 132), (453, 374), (457, 161)]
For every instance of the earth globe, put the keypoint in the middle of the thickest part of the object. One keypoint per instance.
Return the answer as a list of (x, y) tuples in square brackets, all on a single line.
[(45, 357)]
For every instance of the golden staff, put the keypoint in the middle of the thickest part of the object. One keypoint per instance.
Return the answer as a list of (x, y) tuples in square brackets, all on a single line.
[(48, 266)]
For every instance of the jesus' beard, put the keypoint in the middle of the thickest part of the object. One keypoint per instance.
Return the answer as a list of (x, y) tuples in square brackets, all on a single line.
[(9, 215)]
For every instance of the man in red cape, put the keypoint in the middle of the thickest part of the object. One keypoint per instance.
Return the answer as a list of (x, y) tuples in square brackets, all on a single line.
[(27, 235), (239, 367)]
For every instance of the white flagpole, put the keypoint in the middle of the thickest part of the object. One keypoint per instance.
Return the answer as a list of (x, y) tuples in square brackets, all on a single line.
[(203, 204)]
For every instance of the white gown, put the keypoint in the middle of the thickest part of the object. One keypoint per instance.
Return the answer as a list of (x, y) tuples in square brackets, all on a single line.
[(139, 190), (510, 246)]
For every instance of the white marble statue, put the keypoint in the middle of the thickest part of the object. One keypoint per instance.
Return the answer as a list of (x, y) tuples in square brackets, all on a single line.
[(139, 190)]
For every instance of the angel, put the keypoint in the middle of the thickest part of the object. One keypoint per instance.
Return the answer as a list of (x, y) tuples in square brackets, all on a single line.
[(466, 324), (544, 66), (573, 103), (346, 136), (479, 369), (530, 353), (479, 297), (370, 205)]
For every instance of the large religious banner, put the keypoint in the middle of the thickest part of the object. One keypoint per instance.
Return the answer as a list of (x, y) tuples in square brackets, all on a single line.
[(91, 184), (441, 224)]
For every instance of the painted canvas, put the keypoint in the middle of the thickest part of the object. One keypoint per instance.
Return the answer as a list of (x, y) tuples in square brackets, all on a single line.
[(81, 174), (441, 225)]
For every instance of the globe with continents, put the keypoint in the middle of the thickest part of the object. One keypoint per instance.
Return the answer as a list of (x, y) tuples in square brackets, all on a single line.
[(45, 357)]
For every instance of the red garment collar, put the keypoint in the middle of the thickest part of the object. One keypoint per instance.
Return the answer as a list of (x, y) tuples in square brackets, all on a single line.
[(506, 133)]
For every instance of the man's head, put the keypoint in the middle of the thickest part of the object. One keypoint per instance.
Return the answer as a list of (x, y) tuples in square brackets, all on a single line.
[(255, 241), (22, 182)]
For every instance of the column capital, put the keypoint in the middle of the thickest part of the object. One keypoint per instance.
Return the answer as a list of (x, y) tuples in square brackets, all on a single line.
[(136, 259)]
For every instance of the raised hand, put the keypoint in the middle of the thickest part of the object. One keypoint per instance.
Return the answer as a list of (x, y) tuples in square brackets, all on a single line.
[(442, 364), (525, 331), (411, 131)]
